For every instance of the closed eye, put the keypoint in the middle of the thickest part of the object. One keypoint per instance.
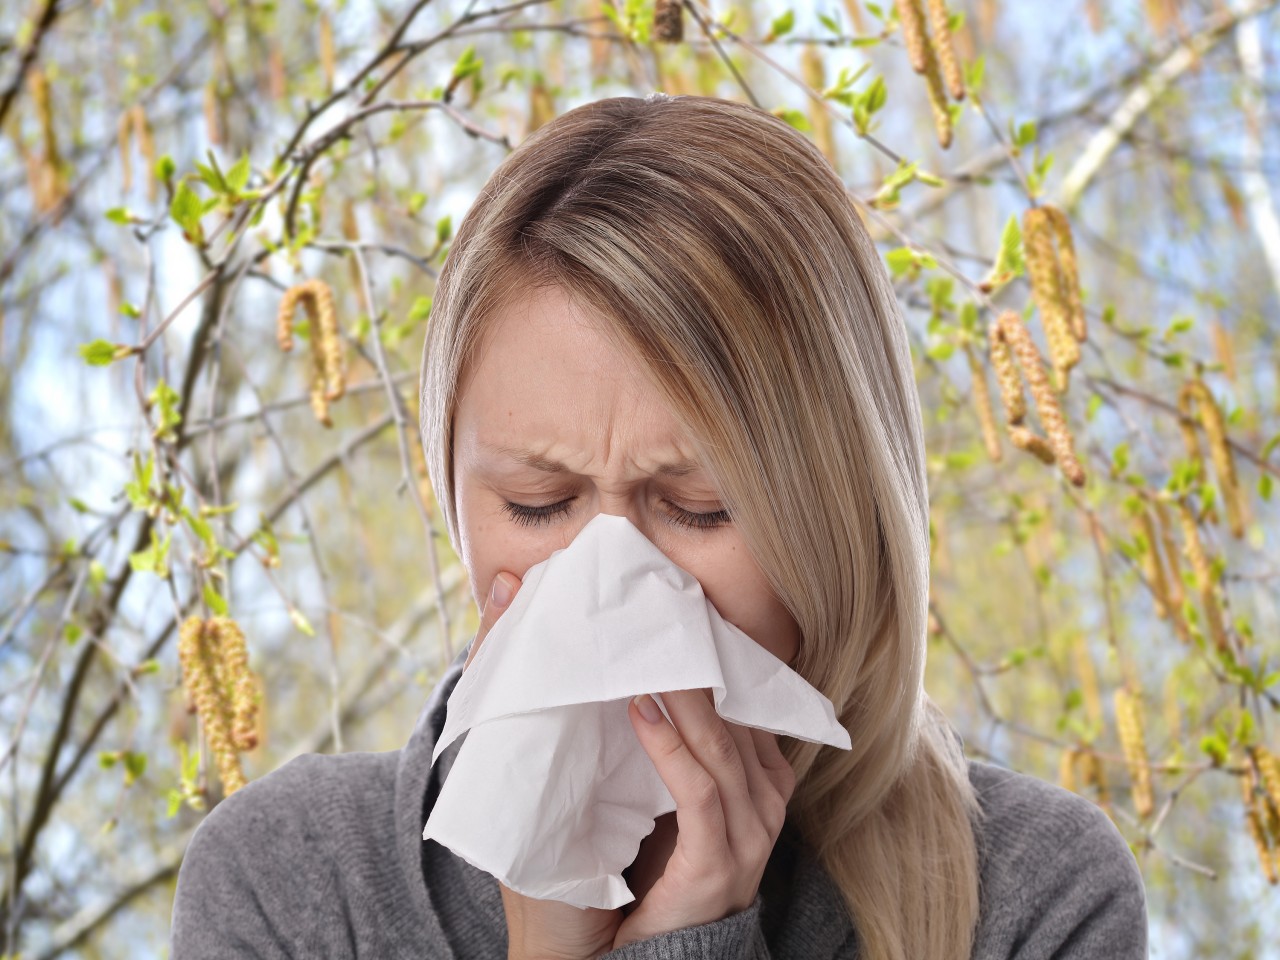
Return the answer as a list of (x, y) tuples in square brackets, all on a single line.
[(534, 516)]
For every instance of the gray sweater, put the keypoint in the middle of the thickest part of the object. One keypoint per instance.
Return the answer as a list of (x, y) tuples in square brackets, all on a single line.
[(324, 858)]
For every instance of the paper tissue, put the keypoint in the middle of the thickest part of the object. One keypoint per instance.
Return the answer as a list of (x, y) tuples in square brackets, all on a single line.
[(551, 792)]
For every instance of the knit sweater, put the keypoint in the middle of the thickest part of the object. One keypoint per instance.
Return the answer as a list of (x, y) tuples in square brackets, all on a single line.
[(324, 858)]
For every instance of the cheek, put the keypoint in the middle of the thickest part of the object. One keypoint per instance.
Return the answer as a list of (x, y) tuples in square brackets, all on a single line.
[(742, 595)]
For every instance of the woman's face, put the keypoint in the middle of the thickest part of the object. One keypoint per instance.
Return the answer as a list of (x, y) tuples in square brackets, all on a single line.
[(551, 415)]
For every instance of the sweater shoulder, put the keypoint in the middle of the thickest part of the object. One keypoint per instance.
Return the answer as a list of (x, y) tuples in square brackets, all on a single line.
[(271, 859), (1057, 878)]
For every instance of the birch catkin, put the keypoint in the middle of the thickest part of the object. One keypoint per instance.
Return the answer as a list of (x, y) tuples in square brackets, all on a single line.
[(924, 60), (1195, 395), (328, 379), (668, 21), (1047, 288), (1152, 567), (217, 682), (1070, 270), (1255, 821), (1203, 572), (982, 402), (1129, 726), (940, 28), (1011, 396), (1011, 328)]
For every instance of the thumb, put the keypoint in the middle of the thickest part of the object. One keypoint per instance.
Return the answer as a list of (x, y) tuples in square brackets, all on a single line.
[(501, 592)]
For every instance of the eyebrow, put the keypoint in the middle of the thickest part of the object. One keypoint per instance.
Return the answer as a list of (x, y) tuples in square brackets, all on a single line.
[(680, 468)]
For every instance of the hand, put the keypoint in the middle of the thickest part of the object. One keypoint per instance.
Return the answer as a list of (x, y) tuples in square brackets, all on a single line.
[(731, 786), (544, 929)]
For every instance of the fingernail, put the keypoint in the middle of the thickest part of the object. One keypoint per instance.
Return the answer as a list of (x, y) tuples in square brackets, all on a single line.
[(648, 709), (502, 591)]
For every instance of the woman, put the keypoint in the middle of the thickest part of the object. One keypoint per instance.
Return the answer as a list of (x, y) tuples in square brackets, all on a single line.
[(668, 309)]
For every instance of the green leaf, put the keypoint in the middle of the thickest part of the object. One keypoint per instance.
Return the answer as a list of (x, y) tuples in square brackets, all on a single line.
[(166, 399), (782, 25), (238, 175), (99, 353), (154, 559), (174, 798), (1264, 486), (215, 600), (301, 622), (135, 765), (186, 210), (444, 229)]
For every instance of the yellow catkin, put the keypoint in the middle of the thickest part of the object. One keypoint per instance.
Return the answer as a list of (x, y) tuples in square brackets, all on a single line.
[(1186, 424), (284, 316), (1255, 823), (328, 378), (1067, 769), (668, 21), (542, 108), (146, 147), (1223, 349), (1152, 567), (275, 71), (1024, 439), (212, 129), (1096, 776), (124, 141), (327, 60), (1055, 426), (1129, 726), (1047, 290), (1070, 271), (1203, 573), (982, 403), (240, 685), (924, 60), (1174, 581), (911, 16), (1269, 767), (199, 659), (1224, 465), (819, 119), (1088, 681), (941, 32), (1011, 396)]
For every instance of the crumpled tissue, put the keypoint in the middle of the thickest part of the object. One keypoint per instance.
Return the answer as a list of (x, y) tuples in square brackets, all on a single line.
[(551, 791)]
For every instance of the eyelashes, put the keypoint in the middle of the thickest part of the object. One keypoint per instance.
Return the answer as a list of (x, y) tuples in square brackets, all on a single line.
[(534, 516)]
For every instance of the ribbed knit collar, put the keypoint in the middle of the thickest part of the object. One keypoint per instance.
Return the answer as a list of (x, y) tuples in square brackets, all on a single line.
[(417, 786)]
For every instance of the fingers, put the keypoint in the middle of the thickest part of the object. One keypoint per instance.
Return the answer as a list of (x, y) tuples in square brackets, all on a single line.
[(501, 592), (727, 804)]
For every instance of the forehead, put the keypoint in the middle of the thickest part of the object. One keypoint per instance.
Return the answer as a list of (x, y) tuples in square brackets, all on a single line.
[(547, 382)]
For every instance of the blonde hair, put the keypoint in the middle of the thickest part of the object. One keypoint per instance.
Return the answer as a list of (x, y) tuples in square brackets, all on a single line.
[(719, 248)]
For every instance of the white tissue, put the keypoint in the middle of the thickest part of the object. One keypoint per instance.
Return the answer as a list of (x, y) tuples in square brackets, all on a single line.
[(551, 792)]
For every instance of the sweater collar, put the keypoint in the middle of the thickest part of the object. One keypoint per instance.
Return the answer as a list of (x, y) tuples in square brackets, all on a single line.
[(417, 786)]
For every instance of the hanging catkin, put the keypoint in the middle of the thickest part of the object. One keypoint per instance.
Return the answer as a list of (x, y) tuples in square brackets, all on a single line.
[(327, 375), (1129, 726), (982, 402), (1047, 288), (1255, 814), (1070, 270), (1152, 567), (1011, 396), (218, 685), (1194, 395), (1203, 573), (1011, 329), (940, 28), (924, 60)]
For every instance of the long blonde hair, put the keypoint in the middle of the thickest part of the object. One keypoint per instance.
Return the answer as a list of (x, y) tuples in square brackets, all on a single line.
[(720, 249)]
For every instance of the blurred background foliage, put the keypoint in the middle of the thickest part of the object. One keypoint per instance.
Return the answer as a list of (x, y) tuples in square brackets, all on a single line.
[(172, 174)]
